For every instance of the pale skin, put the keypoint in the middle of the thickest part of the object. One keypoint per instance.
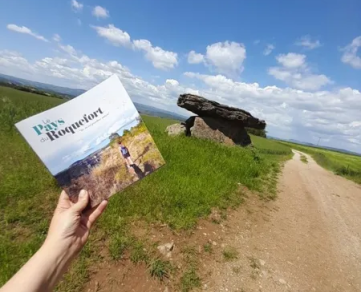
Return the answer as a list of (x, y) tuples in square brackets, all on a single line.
[(68, 232)]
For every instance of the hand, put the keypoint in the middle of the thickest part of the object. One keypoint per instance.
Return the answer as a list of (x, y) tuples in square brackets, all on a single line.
[(70, 226)]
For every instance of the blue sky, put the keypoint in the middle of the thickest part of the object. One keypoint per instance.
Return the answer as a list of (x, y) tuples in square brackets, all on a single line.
[(295, 64)]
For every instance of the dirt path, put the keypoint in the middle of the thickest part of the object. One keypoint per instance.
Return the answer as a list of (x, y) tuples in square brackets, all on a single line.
[(309, 239)]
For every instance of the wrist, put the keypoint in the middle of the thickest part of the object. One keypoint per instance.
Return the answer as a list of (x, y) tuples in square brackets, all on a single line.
[(61, 253)]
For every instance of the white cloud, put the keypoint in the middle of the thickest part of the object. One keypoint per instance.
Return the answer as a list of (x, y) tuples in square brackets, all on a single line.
[(294, 71), (25, 30), (289, 113), (68, 49), (114, 35), (56, 38), (350, 56), (77, 6), (268, 50), (308, 43), (171, 82), (160, 58), (100, 12), (226, 58), (355, 124), (195, 58), (291, 60)]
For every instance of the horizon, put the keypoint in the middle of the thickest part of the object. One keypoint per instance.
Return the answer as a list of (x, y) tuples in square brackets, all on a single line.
[(152, 106), (282, 65)]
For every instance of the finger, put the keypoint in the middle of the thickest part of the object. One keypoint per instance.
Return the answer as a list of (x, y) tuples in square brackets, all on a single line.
[(63, 197), (64, 200), (82, 202), (94, 213)]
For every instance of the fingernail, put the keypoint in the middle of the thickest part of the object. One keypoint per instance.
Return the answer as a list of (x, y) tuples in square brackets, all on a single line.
[(82, 194)]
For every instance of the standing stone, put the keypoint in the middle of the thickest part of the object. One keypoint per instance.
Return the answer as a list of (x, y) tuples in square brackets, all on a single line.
[(226, 132)]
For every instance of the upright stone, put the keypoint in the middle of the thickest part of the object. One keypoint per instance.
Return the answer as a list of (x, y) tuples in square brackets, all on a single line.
[(222, 131)]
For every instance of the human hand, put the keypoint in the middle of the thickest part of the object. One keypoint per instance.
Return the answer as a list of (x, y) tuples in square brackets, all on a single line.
[(70, 226)]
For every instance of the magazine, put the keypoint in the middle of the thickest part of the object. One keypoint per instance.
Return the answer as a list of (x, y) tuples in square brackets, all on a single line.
[(96, 141)]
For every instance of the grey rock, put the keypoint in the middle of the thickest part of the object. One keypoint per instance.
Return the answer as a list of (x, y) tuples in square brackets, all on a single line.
[(166, 249), (176, 130)]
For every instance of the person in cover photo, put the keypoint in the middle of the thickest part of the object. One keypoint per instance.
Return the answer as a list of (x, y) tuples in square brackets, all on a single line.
[(125, 153)]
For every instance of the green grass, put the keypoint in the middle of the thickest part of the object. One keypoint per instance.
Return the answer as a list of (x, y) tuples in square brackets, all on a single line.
[(208, 247), (190, 280), (230, 253), (346, 165), (199, 175), (159, 269), (303, 158), (269, 146)]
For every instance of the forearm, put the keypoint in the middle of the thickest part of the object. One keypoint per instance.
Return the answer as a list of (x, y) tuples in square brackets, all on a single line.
[(42, 272)]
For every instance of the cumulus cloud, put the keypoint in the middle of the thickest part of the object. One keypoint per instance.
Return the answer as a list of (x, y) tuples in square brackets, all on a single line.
[(77, 6), (294, 71), (307, 42), (100, 12), (25, 30), (114, 35), (223, 57), (195, 58), (291, 60), (226, 58), (268, 50), (161, 59), (350, 56), (289, 113)]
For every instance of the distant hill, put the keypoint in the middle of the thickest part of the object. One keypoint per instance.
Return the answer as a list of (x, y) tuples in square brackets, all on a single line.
[(156, 112), (69, 93), (320, 146)]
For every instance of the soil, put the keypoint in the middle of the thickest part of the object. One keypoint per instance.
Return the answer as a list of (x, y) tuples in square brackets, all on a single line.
[(308, 239)]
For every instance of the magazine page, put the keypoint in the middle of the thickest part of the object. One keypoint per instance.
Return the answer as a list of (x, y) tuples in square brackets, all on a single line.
[(96, 141)]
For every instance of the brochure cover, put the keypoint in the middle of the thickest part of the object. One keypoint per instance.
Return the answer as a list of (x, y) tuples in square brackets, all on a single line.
[(96, 141)]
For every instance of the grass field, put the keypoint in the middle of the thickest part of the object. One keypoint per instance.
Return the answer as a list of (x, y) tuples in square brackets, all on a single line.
[(199, 175), (346, 165)]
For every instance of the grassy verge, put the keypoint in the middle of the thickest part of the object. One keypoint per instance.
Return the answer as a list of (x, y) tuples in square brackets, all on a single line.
[(303, 158), (199, 175), (346, 165)]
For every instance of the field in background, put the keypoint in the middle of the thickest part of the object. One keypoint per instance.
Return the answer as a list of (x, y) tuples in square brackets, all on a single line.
[(346, 165), (198, 176)]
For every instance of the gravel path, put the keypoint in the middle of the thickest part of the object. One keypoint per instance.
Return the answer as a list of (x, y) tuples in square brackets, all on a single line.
[(309, 239)]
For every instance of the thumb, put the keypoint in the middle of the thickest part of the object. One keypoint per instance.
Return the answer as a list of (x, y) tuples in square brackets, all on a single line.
[(83, 200)]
